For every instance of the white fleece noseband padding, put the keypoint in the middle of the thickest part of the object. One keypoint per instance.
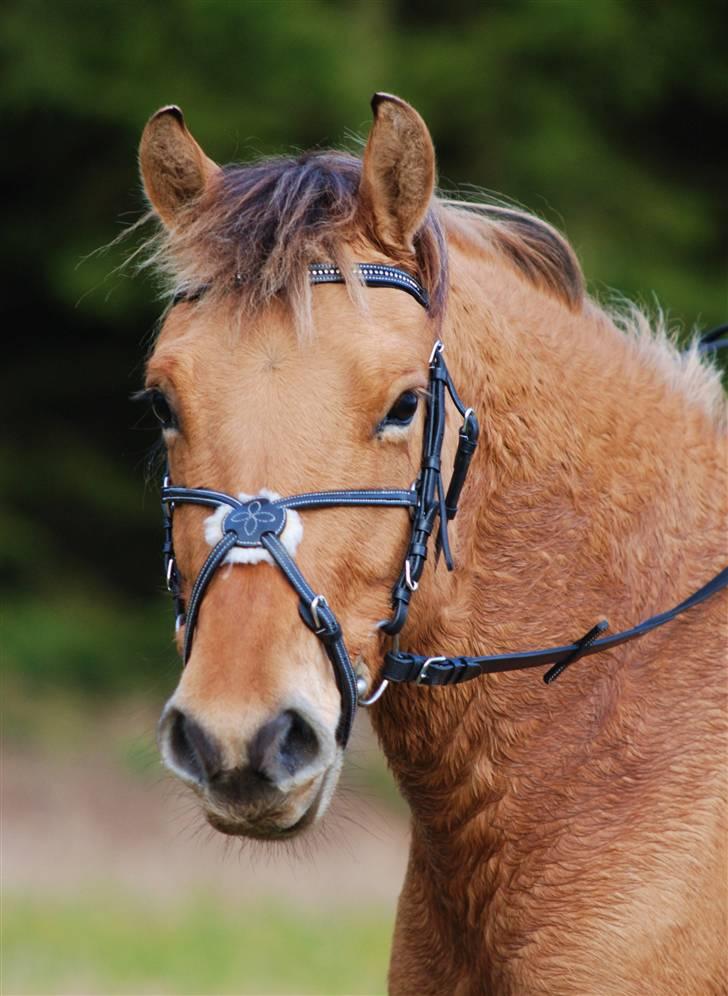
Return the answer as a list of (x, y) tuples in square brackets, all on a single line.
[(290, 537)]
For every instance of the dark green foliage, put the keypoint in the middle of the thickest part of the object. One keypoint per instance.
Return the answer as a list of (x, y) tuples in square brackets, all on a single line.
[(604, 117)]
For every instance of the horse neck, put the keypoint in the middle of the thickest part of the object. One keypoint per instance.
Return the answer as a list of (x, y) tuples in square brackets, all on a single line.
[(592, 494)]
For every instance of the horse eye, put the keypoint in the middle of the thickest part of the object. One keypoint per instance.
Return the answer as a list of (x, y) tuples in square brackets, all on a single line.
[(402, 411), (163, 411)]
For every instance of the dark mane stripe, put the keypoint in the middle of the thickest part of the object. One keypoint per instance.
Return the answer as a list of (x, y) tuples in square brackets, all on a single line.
[(540, 252)]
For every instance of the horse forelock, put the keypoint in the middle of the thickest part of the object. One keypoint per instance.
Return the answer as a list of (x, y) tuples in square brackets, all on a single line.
[(258, 226)]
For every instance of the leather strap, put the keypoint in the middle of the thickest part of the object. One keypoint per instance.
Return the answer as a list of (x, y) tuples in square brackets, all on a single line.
[(714, 339), (434, 505), (408, 667), (377, 497), (373, 275), (215, 558), (323, 624)]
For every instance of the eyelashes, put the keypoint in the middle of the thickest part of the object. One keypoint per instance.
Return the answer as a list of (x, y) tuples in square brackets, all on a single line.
[(160, 407), (402, 412)]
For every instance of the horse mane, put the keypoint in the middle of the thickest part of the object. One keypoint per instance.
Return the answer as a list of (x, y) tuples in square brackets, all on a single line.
[(537, 250), (258, 226)]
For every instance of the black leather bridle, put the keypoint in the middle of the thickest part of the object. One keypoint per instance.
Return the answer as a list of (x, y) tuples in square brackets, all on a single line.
[(259, 522)]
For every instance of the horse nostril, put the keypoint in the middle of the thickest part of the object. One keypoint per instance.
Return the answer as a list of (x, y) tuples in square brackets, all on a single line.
[(188, 749), (283, 747)]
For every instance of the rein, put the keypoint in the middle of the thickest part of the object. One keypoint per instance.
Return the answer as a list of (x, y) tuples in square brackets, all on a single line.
[(260, 521)]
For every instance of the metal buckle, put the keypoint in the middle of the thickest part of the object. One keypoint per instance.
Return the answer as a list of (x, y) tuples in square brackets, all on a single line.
[(423, 670), (313, 607), (170, 568)]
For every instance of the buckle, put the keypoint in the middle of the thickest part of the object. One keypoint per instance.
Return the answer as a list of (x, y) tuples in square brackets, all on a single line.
[(171, 575), (313, 609), (423, 670)]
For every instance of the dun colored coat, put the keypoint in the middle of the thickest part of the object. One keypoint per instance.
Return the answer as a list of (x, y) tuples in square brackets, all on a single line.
[(567, 840)]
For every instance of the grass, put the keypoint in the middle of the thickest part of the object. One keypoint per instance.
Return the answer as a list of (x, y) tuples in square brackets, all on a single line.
[(100, 945)]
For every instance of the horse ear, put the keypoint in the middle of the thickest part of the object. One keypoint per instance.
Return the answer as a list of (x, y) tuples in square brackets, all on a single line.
[(173, 167), (398, 171)]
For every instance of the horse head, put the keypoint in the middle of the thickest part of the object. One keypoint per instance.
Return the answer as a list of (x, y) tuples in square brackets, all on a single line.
[(267, 387)]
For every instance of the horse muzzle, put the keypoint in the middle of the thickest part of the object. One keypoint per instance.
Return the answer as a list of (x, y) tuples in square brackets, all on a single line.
[(272, 787)]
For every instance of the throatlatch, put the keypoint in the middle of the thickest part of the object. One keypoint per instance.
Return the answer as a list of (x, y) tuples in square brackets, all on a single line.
[(259, 522)]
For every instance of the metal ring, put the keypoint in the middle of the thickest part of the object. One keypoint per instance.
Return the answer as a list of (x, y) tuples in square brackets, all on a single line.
[(411, 584), (437, 348), (376, 696), (315, 602)]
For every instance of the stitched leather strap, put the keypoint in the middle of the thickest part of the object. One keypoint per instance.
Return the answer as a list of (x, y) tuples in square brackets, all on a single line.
[(198, 496), (370, 274), (215, 558), (326, 627), (373, 275), (377, 497), (401, 666)]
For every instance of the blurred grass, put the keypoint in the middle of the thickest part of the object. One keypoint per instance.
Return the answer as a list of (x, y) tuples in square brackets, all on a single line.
[(106, 944)]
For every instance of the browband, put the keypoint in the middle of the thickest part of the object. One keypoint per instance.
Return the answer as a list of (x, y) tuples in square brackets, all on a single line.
[(370, 274)]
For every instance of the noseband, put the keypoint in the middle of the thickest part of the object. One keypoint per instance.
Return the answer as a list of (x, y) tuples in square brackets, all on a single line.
[(260, 522)]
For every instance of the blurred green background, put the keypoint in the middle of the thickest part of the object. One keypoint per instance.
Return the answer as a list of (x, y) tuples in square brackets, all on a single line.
[(604, 117)]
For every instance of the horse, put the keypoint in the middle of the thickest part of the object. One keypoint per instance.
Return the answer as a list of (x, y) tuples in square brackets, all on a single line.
[(567, 839)]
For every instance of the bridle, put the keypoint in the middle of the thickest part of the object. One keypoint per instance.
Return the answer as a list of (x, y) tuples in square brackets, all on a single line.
[(260, 521)]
